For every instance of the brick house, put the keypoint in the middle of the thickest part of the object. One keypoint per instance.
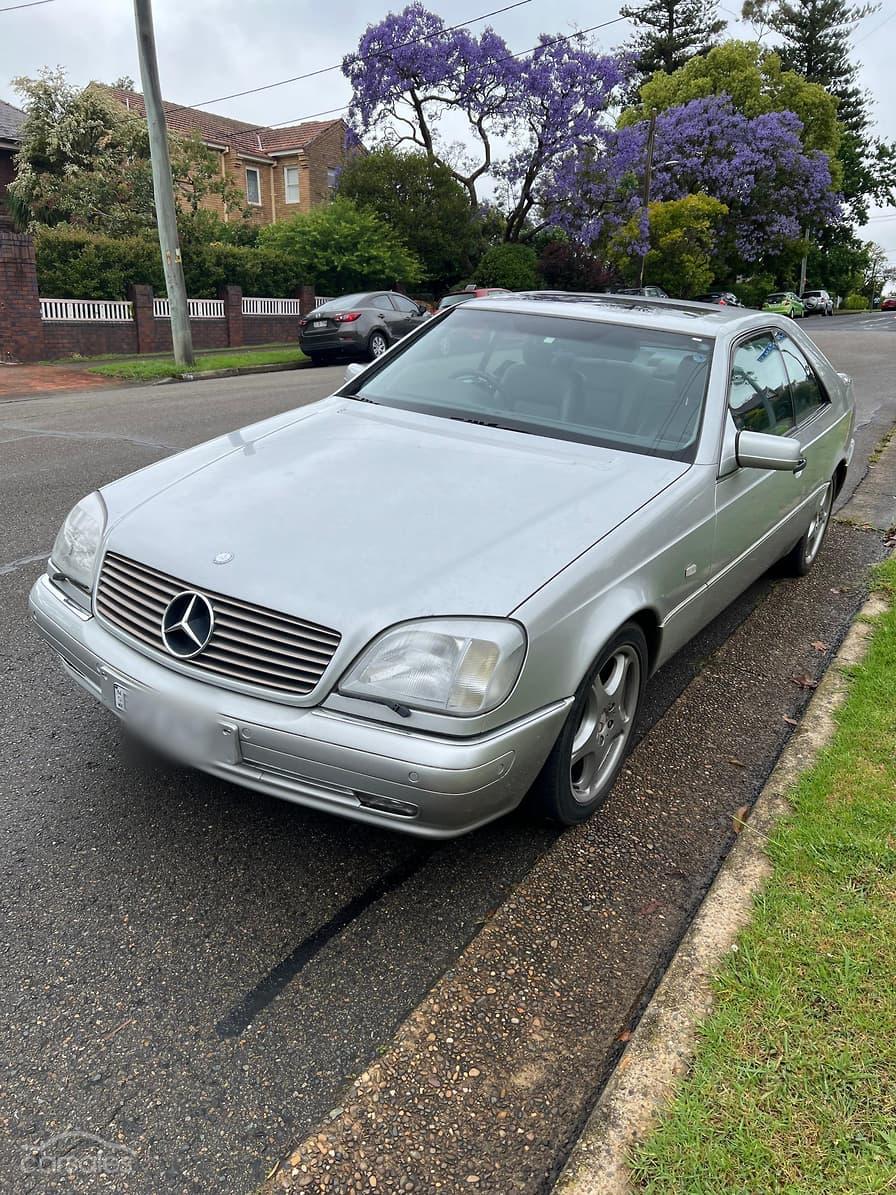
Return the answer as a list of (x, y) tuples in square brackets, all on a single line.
[(280, 171), (11, 120)]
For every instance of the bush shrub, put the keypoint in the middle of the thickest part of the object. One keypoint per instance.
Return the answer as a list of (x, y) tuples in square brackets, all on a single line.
[(510, 265), (72, 264), (855, 303), (340, 247)]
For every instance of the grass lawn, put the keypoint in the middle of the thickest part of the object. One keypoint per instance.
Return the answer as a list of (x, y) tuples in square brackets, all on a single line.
[(147, 369), (794, 1085)]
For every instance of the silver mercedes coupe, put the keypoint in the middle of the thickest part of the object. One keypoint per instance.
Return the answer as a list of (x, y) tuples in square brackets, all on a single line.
[(444, 587)]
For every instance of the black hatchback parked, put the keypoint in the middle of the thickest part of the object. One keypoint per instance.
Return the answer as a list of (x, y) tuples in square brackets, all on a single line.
[(359, 325)]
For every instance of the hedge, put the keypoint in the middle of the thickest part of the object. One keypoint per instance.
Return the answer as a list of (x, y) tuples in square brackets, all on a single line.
[(855, 303), (72, 264)]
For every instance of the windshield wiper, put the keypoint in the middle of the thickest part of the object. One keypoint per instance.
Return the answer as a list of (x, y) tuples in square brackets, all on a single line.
[(478, 422), (363, 398)]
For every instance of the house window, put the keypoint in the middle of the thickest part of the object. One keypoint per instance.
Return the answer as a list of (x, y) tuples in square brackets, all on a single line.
[(253, 186), (332, 179), (291, 184)]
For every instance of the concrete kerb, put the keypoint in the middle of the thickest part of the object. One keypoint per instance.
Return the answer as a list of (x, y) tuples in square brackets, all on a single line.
[(664, 1043)]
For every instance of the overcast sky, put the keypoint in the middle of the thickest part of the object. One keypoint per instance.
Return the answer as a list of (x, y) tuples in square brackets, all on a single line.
[(209, 48)]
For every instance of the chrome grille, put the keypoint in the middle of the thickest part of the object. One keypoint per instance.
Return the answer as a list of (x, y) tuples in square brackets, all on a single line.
[(249, 644)]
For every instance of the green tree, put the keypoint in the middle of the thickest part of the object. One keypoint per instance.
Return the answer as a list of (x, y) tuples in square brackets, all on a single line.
[(422, 202), (878, 270), (757, 83), (838, 262), (84, 162), (342, 247), (814, 40), (683, 236), (510, 265), (670, 32)]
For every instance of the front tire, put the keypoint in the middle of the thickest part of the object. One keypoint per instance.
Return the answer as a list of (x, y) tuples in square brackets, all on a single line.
[(583, 765), (800, 559)]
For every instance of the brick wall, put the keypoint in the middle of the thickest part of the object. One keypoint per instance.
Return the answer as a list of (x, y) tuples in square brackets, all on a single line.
[(85, 339), (24, 336), (21, 329)]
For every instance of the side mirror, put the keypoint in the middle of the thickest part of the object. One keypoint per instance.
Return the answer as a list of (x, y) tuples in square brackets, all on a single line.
[(759, 450), (352, 371), (421, 310)]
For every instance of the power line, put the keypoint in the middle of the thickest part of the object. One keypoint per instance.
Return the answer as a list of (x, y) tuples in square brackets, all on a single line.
[(871, 32), (325, 70), (30, 4)]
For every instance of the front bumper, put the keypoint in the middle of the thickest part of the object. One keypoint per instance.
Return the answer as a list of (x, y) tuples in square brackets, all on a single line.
[(427, 785)]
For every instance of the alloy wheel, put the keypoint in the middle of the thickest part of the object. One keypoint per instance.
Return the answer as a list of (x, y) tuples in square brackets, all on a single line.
[(606, 724), (819, 523)]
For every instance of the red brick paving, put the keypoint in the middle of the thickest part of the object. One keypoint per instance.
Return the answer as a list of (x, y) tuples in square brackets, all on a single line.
[(30, 381)]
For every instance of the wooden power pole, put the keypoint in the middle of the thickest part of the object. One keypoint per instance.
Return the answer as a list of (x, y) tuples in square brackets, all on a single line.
[(648, 178), (163, 189)]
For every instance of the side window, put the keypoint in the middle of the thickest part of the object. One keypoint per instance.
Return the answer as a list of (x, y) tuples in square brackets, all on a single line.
[(382, 303), (253, 186), (808, 395), (404, 304), (759, 396)]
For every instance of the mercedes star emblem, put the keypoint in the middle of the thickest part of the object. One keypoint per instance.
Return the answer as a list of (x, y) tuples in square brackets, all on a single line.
[(187, 624)]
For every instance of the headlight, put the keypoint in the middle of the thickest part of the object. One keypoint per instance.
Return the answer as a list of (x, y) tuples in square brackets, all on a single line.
[(78, 542), (458, 666)]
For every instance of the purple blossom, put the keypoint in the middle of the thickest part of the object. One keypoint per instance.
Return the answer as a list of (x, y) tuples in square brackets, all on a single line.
[(757, 167), (410, 71)]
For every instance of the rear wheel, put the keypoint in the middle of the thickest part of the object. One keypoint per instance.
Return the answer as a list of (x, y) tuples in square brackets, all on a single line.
[(801, 558), (585, 761), (377, 345)]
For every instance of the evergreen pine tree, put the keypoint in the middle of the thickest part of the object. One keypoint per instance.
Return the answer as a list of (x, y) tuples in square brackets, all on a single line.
[(669, 32), (814, 40)]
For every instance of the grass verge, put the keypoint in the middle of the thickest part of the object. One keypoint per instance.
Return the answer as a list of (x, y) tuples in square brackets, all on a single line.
[(147, 369), (794, 1085)]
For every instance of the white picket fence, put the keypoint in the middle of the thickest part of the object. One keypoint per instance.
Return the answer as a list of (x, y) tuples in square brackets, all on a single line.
[(106, 311), (197, 308), (256, 306)]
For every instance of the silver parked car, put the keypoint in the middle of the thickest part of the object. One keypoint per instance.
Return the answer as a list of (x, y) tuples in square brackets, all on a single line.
[(359, 325), (445, 585)]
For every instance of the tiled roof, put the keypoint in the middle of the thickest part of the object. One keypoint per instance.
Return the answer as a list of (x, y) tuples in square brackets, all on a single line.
[(239, 134), (11, 121)]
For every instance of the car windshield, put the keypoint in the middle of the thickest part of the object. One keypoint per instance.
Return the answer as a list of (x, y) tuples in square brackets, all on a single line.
[(776, 298), (626, 387), (345, 303), (811, 294)]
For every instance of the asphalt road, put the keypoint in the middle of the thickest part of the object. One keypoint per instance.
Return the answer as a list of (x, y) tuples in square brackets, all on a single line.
[(192, 970)]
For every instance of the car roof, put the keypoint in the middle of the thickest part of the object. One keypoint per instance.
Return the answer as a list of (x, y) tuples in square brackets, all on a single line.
[(668, 315)]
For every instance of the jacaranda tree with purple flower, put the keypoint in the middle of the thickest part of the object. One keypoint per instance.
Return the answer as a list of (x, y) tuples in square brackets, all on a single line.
[(468, 103), (775, 192)]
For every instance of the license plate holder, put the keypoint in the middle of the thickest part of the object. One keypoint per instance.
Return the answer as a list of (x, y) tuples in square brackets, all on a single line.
[(178, 729)]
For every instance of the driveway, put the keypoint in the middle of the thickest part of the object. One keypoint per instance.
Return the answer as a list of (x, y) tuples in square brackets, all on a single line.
[(31, 381), (196, 972)]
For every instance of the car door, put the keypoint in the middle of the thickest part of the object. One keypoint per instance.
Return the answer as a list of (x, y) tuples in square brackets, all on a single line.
[(385, 314), (817, 422), (756, 509), (408, 311)]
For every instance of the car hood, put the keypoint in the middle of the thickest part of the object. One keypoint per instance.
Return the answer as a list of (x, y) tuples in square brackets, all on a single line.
[(360, 516)]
